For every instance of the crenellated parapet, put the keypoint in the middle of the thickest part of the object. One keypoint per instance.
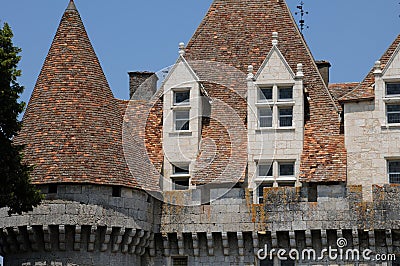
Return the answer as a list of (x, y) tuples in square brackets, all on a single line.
[(81, 224), (235, 227)]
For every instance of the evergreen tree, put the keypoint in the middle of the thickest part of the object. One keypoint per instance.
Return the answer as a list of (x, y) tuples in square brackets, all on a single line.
[(16, 190)]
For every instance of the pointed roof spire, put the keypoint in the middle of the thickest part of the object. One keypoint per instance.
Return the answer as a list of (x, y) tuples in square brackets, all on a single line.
[(72, 127), (71, 6)]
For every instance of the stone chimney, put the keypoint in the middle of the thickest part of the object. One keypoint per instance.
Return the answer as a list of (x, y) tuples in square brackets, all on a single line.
[(323, 67), (142, 85)]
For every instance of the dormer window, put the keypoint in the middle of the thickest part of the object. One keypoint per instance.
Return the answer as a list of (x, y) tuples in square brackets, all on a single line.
[(285, 94), (392, 89), (182, 97)]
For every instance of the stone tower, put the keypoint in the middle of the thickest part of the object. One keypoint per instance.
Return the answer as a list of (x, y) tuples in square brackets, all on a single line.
[(94, 213)]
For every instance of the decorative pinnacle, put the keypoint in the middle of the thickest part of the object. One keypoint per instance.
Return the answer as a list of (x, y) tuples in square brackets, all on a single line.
[(182, 48), (299, 73), (377, 67), (250, 74), (71, 5), (275, 38)]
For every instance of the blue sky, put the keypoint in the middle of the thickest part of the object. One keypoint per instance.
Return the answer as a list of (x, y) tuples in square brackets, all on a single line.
[(144, 35)]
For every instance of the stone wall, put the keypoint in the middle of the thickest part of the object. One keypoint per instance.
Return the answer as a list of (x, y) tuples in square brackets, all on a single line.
[(81, 225), (236, 228)]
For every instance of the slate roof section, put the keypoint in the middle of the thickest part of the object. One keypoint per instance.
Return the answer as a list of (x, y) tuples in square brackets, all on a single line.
[(365, 91), (72, 127), (239, 33)]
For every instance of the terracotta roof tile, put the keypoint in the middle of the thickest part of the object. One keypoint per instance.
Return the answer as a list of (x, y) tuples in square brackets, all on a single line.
[(72, 127), (239, 33)]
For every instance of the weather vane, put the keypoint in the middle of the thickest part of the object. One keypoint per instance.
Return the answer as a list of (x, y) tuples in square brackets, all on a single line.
[(302, 13)]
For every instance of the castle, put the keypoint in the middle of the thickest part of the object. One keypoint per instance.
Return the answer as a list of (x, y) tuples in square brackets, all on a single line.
[(242, 146)]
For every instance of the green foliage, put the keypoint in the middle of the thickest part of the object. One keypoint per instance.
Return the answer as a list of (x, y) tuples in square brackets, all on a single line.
[(16, 190)]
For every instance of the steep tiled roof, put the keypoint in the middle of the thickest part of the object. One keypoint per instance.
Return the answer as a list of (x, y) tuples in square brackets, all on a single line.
[(365, 91), (72, 127), (239, 33), (338, 90)]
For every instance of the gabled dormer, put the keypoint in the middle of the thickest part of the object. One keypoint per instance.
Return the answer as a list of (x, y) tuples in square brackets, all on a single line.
[(275, 121), (181, 123), (372, 124)]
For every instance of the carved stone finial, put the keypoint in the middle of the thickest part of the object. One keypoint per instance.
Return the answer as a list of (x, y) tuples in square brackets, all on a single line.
[(377, 67), (299, 73), (274, 38), (182, 48), (250, 74)]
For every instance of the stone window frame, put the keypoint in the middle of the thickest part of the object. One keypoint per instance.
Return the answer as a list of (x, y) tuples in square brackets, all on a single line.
[(391, 100), (260, 191), (275, 104), (180, 90), (389, 113), (186, 110), (276, 180), (180, 177), (389, 173)]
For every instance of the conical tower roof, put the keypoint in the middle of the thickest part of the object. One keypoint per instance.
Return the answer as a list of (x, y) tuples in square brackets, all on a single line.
[(239, 33), (72, 126)]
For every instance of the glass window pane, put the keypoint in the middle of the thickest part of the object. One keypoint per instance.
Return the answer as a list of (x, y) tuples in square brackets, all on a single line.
[(392, 88), (285, 93), (182, 97), (182, 125), (181, 120), (182, 115), (181, 184), (266, 94), (393, 113), (265, 112), (393, 108), (264, 170), (265, 117), (286, 169), (285, 111), (260, 191), (181, 170), (285, 117)]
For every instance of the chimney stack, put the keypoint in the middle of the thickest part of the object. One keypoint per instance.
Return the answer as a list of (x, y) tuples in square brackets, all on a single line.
[(323, 67), (142, 85)]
